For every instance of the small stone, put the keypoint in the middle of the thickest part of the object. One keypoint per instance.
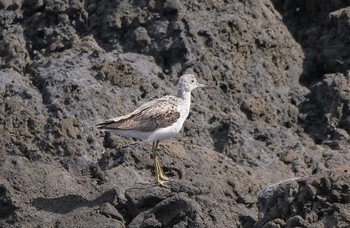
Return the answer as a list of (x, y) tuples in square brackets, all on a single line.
[(141, 36), (109, 211), (289, 156)]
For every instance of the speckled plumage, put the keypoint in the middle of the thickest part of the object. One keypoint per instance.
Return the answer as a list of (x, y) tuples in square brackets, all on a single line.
[(159, 113)]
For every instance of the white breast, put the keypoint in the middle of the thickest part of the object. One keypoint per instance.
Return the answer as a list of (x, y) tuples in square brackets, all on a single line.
[(172, 130)]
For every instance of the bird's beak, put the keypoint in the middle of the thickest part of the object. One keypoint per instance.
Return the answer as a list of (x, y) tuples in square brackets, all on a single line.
[(205, 86), (201, 85)]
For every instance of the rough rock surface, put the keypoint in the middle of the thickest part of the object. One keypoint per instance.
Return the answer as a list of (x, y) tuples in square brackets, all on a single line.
[(264, 148), (322, 200)]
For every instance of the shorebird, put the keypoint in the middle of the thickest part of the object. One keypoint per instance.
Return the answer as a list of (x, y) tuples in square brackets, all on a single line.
[(156, 120)]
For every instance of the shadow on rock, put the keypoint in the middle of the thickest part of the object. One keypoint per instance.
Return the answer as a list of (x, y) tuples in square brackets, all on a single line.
[(307, 22), (324, 114), (314, 24), (6, 204), (178, 210), (68, 203)]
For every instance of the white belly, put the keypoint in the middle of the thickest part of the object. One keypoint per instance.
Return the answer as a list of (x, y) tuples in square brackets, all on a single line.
[(164, 133), (159, 134)]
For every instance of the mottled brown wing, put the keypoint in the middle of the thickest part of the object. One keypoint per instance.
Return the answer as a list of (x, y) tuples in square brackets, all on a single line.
[(156, 114)]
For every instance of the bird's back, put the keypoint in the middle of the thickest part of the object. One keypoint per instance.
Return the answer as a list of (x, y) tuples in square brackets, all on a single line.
[(153, 115)]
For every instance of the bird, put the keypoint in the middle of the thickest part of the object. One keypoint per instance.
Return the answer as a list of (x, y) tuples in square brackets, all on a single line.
[(156, 120)]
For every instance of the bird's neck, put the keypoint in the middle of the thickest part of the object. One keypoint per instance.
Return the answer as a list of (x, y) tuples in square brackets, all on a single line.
[(184, 95), (186, 98)]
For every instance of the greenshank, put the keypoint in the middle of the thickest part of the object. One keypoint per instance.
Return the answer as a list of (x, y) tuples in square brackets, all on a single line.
[(156, 120)]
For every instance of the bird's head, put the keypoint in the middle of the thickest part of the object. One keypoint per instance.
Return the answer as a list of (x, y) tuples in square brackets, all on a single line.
[(188, 82)]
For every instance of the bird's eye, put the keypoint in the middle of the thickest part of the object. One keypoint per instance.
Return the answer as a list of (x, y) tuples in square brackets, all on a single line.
[(192, 81)]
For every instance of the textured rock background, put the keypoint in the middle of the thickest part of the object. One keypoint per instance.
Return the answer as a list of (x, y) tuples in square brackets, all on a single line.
[(280, 110)]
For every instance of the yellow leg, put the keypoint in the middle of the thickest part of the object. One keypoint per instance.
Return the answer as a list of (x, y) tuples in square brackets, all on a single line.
[(161, 173), (160, 177)]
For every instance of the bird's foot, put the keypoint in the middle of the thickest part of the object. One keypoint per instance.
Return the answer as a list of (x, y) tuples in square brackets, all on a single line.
[(162, 182), (160, 176)]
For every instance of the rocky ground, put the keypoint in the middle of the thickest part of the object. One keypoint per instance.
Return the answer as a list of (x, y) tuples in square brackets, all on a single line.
[(268, 147)]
